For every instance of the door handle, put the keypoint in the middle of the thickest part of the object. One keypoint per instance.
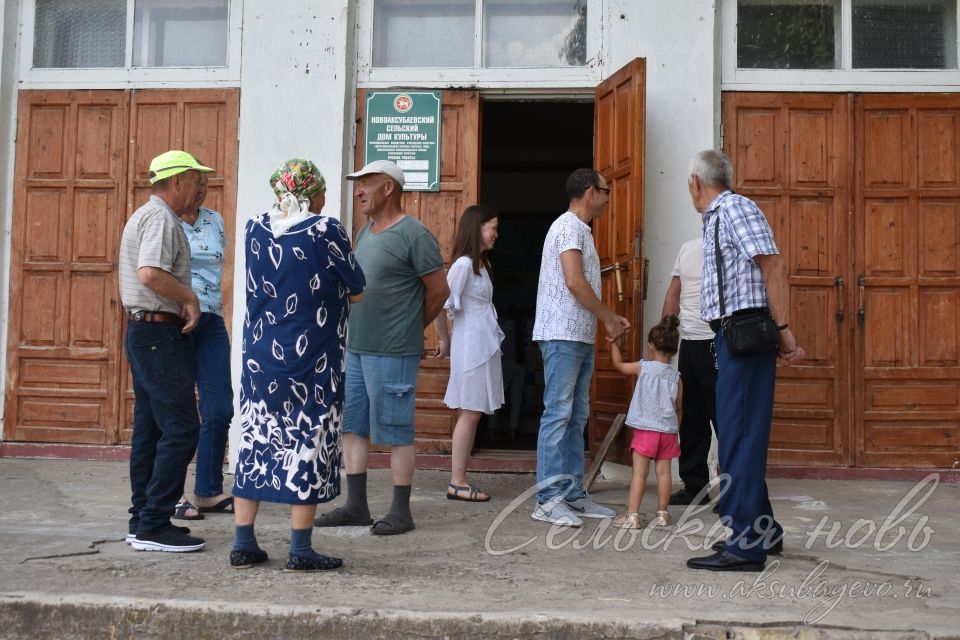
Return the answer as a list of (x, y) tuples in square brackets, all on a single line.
[(861, 313), (616, 267), (838, 283)]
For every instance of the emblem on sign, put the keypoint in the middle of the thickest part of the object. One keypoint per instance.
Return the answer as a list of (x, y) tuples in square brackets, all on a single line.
[(403, 103)]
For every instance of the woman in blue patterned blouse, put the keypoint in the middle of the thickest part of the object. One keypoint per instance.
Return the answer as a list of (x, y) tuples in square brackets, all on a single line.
[(211, 349)]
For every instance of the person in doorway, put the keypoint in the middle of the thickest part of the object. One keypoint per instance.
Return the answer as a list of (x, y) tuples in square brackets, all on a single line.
[(301, 278), (406, 289), (211, 353), (568, 307), (162, 309), (475, 386), (653, 415), (737, 238), (695, 363)]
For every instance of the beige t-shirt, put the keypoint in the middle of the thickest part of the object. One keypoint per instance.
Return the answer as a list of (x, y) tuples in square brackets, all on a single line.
[(153, 237), (689, 268)]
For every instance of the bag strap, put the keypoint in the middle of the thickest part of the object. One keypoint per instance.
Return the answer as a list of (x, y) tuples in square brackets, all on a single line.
[(716, 252)]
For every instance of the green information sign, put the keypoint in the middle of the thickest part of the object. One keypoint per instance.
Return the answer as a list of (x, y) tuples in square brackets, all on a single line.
[(405, 128)]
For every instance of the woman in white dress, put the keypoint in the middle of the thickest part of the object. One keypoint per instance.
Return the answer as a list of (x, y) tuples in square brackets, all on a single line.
[(476, 379)]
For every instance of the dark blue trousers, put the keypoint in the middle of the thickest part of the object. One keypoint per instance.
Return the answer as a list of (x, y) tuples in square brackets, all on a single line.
[(211, 351), (165, 422), (744, 412)]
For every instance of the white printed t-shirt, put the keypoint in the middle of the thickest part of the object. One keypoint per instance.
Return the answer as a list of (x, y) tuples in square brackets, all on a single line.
[(560, 316)]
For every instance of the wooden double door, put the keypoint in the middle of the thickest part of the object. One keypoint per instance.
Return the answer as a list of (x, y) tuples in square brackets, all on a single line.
[(863, 194), (81, 170), (618, 155)]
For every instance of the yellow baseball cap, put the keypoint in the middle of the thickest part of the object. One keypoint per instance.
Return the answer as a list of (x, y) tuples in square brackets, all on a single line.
[(173, 162)]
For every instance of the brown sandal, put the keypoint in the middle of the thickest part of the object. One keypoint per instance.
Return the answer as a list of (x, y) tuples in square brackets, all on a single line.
[(473, 494)]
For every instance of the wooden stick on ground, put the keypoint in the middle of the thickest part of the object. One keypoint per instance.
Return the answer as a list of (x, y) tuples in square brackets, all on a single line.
[(614, 431)]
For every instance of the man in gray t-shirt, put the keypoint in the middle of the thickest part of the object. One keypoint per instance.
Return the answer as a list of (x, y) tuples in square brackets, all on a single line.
[(406, 289), (161, 307)]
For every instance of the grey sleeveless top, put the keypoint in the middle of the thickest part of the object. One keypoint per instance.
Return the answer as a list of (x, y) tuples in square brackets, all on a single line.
[(652, 406)]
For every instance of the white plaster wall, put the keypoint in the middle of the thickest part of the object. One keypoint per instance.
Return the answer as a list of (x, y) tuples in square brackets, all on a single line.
[(8, 123), (677, 39), (294, 86)]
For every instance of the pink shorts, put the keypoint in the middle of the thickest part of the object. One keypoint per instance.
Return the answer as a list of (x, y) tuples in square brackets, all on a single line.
[(655, 445)]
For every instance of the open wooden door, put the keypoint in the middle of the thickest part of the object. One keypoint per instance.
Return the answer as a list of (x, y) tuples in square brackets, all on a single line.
[(619, 129), (439, 211)]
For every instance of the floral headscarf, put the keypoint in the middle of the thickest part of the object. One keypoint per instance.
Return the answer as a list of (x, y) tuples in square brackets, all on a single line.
[(293, 183), (299, 177)]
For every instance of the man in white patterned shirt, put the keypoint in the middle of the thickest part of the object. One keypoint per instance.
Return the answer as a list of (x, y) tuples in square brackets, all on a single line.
[(737, 236), (568, 307)]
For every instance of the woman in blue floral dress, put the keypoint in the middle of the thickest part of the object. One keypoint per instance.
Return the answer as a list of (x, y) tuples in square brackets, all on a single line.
[(301, 277)]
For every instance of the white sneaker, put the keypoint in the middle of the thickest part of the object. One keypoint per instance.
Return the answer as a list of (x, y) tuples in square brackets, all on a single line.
[(585, 507), (557, 512)]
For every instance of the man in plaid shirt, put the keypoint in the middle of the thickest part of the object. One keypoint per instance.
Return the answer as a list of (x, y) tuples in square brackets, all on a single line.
[(754, 277)]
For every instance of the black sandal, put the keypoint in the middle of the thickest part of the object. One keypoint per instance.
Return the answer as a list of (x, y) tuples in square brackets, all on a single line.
[(180, 511), (340, 518), (473, 494), (391, 525)]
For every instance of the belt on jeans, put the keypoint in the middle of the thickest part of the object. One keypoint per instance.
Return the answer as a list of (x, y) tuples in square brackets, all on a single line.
[(155, 316)]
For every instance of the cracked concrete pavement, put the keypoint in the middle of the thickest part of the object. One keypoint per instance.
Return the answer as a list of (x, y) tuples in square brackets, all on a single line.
[(862, 558)]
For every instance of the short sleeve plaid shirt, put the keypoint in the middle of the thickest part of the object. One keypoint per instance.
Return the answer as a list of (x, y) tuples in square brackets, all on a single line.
[(744, 233)]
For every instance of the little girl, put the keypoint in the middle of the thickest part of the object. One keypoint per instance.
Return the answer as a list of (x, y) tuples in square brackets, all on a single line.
[(654, 415)]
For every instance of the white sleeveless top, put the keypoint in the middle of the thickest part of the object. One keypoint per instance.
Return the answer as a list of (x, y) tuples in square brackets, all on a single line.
[(653, 404)]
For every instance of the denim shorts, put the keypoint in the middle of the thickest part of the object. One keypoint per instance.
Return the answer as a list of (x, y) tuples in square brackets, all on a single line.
[(380, 397)]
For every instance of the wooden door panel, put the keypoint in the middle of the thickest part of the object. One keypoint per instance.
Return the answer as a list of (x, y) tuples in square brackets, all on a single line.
[(789, 153), (619, 143), (759, 160), (439, 211), (886, 134), (908, 208), (938, 144), (939, 231), (64, 330), (937, 328), (810, 146)]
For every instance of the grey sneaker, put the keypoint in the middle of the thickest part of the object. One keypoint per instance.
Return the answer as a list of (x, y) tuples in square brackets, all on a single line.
[(557, 512), (585, 507)]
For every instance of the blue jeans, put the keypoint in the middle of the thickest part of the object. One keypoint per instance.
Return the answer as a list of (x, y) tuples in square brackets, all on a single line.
[(165, 424), (745, 387), (211, 353), (567, 370)]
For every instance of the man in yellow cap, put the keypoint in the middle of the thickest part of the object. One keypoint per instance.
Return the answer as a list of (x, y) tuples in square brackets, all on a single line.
[(161, 307)]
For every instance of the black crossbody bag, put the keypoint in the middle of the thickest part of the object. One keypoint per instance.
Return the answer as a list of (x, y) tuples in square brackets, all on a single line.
[(748, 331)]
